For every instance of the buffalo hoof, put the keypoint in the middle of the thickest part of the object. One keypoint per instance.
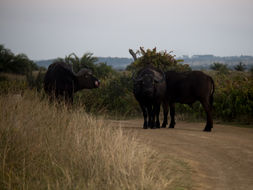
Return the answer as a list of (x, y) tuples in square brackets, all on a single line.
[(172, 125), (207, 130), (151, 125), (145, 126), (157, 125), (164, 125)]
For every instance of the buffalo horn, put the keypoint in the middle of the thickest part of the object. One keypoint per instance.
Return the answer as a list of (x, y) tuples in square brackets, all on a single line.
[(161, 80)]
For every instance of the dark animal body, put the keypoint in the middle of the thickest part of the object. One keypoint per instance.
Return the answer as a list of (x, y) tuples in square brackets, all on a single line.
[(149, 91), (186, 88), (61, 82)]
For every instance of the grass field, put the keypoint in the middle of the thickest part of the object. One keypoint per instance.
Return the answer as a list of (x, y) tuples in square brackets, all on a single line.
[(48, 146)]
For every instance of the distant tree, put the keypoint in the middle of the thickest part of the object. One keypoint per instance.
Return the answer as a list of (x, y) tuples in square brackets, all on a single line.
[(101, 70), (222, 68), (240, 67), (22, 64), (6, 56), (251, 71), (19, 64), (162, 60), (88, 61)]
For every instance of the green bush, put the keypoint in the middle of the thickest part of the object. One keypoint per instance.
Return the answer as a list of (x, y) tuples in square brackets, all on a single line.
[(35, 80), (220, 67), (162, 60), (18, 64), (113, 97)]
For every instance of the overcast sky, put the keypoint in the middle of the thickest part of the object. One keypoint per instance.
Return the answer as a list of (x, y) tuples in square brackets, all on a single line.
[(44, 29)]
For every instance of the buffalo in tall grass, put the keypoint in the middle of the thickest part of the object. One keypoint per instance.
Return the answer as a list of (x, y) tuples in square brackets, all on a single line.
[(61, 82)]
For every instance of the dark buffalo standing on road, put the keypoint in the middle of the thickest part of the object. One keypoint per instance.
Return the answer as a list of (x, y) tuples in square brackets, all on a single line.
[(61, 82), (186, 88), (149, 90)]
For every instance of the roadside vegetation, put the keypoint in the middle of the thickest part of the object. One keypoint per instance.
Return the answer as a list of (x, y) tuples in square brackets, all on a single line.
[(48, 146)]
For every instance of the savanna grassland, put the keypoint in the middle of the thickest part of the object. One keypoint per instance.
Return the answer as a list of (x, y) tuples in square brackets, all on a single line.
[(49, 146)]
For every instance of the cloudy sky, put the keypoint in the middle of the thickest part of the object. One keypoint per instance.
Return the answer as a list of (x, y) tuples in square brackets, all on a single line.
[(45, 29)]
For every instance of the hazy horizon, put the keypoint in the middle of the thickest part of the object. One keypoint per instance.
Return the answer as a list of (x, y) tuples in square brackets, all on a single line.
[(50, 29)]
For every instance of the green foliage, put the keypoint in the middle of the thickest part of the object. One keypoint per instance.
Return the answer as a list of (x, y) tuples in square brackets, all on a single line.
[(86, 61), (101, 70), (240, 67), (114, 97), (162, 60), (251, 71), (18, 64), (35, 80), (234, 97), (220, 67)]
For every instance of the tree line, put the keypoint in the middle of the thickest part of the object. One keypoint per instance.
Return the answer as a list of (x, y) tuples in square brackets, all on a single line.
[(18, 64)]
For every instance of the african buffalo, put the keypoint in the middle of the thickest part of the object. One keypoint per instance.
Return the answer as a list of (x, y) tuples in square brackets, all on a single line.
[(186, 88), (61, 82), (149, 90)]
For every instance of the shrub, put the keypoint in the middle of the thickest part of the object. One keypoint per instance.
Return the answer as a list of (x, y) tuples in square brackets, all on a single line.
[(162, 60), (240, 67), (114, 97), (220, 67), (18, 64)]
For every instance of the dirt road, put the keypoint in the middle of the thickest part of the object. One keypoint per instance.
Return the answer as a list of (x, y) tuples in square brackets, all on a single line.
[(220, 160)]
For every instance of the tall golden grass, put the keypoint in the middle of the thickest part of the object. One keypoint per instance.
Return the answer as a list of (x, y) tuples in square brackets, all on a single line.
[(48, 146)]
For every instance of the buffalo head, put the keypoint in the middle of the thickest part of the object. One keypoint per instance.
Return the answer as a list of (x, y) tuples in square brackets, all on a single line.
[(146, 80), (86, 79)]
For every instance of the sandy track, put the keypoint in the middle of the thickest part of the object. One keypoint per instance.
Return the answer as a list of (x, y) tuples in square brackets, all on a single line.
[(222, 159)]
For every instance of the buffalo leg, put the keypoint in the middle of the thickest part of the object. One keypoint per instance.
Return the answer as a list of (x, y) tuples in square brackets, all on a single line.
[(150, 116), (145, 115), (172, 115), (165, 114), (157, 112), (209, 119)]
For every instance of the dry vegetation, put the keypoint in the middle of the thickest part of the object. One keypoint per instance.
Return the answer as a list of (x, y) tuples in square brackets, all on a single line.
[(47, 146)]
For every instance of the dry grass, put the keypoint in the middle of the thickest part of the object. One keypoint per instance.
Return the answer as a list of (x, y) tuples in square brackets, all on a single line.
[(46, 146), (12, 77)]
